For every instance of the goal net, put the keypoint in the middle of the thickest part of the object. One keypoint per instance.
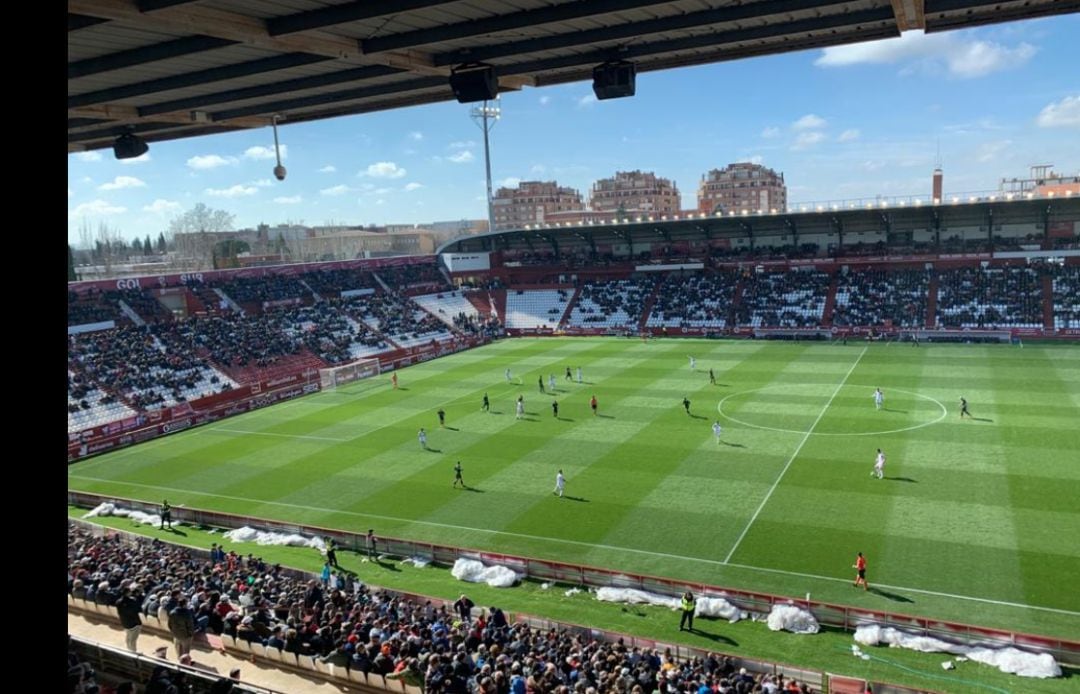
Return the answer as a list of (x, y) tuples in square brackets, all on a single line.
[(347, 373)]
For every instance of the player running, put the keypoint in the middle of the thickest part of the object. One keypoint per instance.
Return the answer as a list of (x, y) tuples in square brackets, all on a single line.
[(717, 430), (393, 379), (860, 568), (458, 478), (879, 465), (442, 418), (421, 436), (555, 408), (593, 405), (964, 409), (693, 364), (879, 398), (541, 383), (551, 382), (520, 407), (509, 378), (568, 376), (712, 378), (560, 484), (485, 405), (579, 378), (686, 404)]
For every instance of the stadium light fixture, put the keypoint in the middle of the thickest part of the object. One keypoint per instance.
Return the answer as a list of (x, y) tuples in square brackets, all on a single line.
[(918, 202), (820, 208), (772, 211), (129, 145), (1049, 193), (973, 199), (937, 201)]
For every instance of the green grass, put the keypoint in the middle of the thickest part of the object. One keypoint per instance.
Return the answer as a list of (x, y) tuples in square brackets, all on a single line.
[(827, 651), (977, 522)]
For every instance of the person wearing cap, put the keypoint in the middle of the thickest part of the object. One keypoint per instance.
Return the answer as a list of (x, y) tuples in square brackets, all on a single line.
[(687, 606)]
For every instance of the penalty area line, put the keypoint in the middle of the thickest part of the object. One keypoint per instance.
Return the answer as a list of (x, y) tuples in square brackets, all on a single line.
[(576, 543)]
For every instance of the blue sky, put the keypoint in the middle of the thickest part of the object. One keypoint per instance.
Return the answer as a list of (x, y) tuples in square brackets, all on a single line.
[(854, 121)]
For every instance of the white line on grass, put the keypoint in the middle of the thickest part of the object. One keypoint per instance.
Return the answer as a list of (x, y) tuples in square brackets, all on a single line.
[(558, 540), (798, 448)]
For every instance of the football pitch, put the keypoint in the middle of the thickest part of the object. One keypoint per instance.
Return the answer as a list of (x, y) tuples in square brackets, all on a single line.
[(976, 520)]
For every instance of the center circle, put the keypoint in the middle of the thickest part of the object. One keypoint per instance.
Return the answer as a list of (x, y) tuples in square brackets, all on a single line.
[(818, 390)]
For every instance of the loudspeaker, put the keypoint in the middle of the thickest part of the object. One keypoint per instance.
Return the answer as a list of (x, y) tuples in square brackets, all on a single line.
[(129, 146), (614, 80), (474, 82)]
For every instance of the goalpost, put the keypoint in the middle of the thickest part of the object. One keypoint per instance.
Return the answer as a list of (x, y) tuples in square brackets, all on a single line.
[(347, 373)]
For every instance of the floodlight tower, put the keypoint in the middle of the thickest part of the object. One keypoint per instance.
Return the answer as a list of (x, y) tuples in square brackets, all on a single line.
[(486, 117)]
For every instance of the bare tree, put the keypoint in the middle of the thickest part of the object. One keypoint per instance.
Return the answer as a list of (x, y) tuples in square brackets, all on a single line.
[(192, 233)]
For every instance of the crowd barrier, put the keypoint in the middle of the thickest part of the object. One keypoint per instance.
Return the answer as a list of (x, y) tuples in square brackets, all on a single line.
[(829, 614)]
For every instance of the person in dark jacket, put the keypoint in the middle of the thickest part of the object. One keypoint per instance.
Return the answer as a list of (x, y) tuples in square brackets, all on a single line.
[(129, 607)]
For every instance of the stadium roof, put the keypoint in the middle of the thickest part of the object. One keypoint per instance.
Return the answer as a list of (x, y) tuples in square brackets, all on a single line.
[(981, 214), (179, 68)]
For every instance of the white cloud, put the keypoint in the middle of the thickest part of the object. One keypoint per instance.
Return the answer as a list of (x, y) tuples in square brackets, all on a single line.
[(770, 132), (462, 157), (88, 156), (237, 191), (849, 135), (538, 169), (545, 100), (161, 206), (121, 182), (410, 187), (96, 208), (380, 201), (383, 191), (1061, 114), (329, 168), (960, 54), (509, 182), (586, 101), (263, 183), (385, 169), (289, 200), (808, 139), (461, 144), (210, 161), (810, 121), (416, 136), (141, 159), (258, 152), (336, 190), (873, 165), (988, 151), (756, 159)]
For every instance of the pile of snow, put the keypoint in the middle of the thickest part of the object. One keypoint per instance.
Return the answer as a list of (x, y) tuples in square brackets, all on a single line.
[(262, 537), (1009, 660), (793, 619), (108, 509), (418, 562), (572, 592), (475, 572), (704, 607)]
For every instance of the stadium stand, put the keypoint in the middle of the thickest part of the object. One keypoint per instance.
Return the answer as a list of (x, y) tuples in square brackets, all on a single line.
[(881, 297), (89, 406), (1066, 293), (331, 283), (535, 308), (401, 320), (611, 303), (90, 307), (990, 298), (779, 299), (345, 626), (255, 291), (697, 301), (146, 372)]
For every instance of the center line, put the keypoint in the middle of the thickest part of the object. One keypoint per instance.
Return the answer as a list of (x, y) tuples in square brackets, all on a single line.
[(798, 448)]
